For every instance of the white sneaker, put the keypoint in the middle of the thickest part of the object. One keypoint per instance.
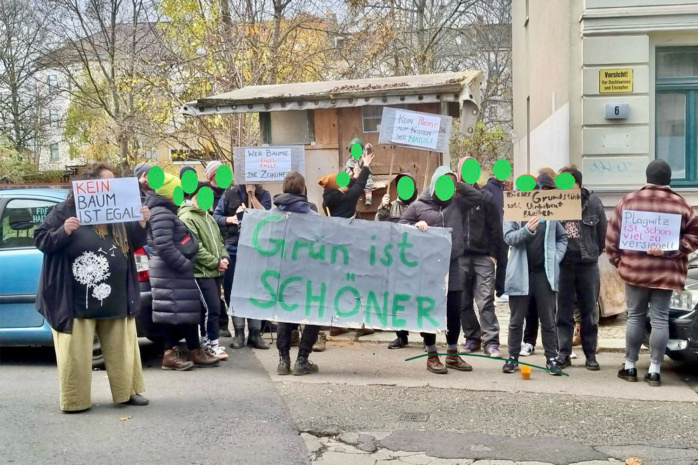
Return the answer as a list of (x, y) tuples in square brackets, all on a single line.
[(527, 349), (502, 299), (219, 353), (573, 355)]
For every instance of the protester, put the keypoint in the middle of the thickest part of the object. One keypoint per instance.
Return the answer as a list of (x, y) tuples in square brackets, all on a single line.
[(89, 285), (176, 298), (651, 276), (429, 210), (393, 211), (294, 200), (140, 172), (496, 187), (341, 201), (211, 261), (482, 238), (228, 214), (537, 248), (211, 168), (352, 163), (579, 276)]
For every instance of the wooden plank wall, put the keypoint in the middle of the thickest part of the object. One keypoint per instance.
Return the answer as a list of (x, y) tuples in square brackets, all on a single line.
[(417, 162)]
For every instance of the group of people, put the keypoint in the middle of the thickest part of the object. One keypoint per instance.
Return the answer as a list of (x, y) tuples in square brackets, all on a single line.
[(89, 283)]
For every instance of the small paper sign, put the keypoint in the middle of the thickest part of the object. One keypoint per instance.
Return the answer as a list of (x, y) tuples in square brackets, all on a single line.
[(424, 131), (103, 201), (547, 205), (643, 230), (267, 164)]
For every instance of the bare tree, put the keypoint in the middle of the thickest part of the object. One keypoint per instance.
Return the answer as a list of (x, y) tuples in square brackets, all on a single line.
[(22, 97)]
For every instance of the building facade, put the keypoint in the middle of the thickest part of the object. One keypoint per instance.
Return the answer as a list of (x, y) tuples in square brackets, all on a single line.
[(607, 85)]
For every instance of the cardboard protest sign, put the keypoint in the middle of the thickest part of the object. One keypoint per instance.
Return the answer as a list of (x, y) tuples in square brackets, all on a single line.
[(341, 272), (424, 131), (266, 164), (102, 201), (643, 230), (548, 205)]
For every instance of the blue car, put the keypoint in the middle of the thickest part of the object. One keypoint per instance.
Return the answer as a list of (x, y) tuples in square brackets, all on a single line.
[(21, 211)]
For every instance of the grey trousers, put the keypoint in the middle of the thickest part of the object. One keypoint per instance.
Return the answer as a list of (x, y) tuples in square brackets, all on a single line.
[(640, 301), (478, 273), (539, 289)]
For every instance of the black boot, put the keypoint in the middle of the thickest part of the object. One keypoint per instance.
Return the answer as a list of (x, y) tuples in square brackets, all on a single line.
[(303, 366), (284, 367), (255, 340), (239, 339)]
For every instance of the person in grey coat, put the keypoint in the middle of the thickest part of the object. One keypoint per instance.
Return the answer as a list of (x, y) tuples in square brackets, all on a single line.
[(537, 248)]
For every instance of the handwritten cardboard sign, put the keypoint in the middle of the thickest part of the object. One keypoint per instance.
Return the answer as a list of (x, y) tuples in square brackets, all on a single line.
[(102, 201), (341, 272), (548, 205), (266, 164), (424, 131), (643, 230)]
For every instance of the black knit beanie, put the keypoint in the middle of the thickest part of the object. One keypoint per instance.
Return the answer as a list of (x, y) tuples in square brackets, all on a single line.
[(659, 173)]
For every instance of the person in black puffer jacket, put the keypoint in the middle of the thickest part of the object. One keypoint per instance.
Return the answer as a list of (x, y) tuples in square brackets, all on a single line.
[(176, 300), (430, 211)]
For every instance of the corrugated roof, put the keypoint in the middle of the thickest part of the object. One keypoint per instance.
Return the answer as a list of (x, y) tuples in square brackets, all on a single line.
[(358, 88)]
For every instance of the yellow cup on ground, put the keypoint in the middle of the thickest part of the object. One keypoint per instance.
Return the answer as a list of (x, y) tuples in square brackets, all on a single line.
[(525, 371)]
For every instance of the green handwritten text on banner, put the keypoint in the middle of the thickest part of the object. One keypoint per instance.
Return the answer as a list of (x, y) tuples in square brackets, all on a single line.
[(341, 272)]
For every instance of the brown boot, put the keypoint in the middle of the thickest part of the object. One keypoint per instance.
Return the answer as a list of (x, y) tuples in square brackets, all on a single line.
[(321, 343), (434, 364), (577, 336), (334, 332), (364, 332), (455, 362), (171, 361), (202, 359)]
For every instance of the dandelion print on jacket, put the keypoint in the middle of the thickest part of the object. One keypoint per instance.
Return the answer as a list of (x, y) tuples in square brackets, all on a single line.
[(90, 269)]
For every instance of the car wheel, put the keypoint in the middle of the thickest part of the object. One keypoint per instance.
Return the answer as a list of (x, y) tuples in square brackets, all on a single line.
[(97, 355)]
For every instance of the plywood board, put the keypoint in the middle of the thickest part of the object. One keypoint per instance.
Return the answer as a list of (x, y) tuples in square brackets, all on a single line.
[(326, 127)]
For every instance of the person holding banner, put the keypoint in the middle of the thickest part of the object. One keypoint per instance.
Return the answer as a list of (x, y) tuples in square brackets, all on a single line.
[(652, 274), (294, 200), (393, 211), (429, 210), (211, 261), (176, 300), (352, 163), (533, 272), (228, 214), (89, 285), (579, 276)]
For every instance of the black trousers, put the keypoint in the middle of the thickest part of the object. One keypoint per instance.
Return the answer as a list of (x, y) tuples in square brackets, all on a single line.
[(211, 292), (308, 338), (581, 280), (175, 333), (531, 328), (539, 288), (501, 273), (454, 301)]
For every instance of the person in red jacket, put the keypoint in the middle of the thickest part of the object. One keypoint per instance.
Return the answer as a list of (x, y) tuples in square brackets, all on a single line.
[(650, 276)]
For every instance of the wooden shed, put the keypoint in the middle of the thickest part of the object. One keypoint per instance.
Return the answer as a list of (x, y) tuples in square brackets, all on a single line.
[(325, 116)]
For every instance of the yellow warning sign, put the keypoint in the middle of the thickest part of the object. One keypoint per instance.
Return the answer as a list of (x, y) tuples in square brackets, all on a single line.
[(616, 81)]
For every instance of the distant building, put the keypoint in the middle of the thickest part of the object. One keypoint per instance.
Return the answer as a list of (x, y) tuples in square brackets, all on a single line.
[(608, 85)]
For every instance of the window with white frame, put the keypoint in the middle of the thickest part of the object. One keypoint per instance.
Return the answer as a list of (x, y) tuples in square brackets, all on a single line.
[(53, 117), (52, 82), (55, 153), (371, 118)]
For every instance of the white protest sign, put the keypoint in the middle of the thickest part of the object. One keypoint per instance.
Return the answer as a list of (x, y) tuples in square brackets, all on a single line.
[(102, 201), (424, 131), (266, 164), (643, 230)]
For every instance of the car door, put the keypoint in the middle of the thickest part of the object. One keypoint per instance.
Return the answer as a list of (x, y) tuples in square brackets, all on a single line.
[(20, 261)]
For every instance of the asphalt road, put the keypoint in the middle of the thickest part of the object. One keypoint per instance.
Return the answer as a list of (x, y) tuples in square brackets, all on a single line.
[(232, 414), (243, 413)]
